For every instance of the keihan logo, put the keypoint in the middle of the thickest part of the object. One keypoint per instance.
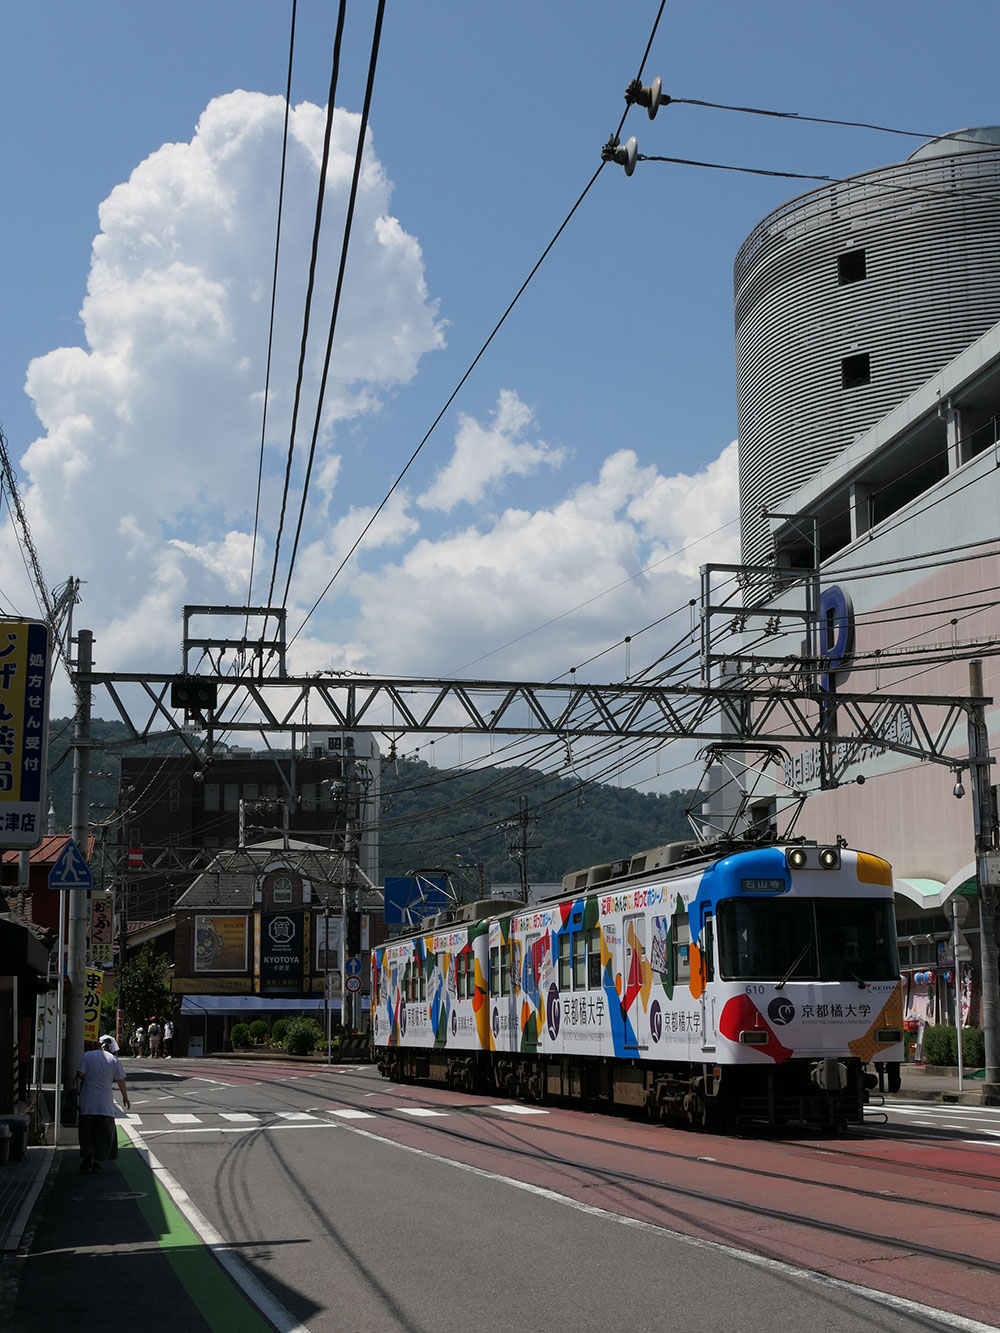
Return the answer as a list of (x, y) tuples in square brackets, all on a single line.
[(781, 1010)]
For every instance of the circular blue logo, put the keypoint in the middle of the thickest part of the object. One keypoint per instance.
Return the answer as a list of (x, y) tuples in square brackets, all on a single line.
[(655, 1021), (553, 1010), (781, 1010)]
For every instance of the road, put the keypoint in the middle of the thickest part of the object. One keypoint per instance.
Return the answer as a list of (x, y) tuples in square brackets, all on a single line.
[(363, 1205)]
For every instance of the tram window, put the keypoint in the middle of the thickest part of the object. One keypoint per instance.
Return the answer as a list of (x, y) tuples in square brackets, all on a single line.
[(422, 974), (708, 949), (682, 948), (494, 971), (857, 939), (594, 958), (579, 960), (767, 939), (565, 962), (505, 969)]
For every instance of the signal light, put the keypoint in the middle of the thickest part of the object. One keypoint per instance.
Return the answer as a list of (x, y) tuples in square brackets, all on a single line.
[(195, 694)]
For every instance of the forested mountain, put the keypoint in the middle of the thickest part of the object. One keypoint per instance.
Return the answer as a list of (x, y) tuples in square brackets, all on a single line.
[(475, 824), (455, 820)]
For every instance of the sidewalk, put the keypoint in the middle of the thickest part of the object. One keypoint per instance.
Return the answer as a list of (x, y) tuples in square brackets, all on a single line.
[(939, 1083), (67, 1235)]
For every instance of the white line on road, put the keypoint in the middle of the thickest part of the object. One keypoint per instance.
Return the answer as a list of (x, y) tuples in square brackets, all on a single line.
[(254, 1290)]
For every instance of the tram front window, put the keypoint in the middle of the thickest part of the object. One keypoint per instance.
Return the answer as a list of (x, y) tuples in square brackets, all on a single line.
[(802, 939), (761, 939)]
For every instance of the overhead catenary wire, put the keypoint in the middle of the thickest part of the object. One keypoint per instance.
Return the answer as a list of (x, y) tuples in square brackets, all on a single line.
[(270, 327), (310, 285), (352, 200)]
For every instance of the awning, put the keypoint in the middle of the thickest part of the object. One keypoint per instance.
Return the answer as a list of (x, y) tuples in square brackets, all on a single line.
[(253, 1004), (925, 892)]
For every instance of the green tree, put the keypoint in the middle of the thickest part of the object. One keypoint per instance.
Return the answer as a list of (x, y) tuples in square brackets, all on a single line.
[(144, 987)]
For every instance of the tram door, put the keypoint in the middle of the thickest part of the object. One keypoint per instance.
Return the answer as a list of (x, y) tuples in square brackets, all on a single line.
[(636, 1023), (708, 991)]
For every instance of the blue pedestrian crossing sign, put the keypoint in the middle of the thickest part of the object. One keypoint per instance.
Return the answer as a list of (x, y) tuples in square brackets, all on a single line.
[(71, 870), (353, 967)]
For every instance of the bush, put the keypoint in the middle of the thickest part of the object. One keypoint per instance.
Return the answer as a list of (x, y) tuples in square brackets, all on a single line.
[(241, 1036), (941, 1048), (259, 1031), (300, 1036), (278, 1031)]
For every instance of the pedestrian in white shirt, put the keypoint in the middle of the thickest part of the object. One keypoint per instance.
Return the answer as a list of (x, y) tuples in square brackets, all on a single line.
[(96, 1076)]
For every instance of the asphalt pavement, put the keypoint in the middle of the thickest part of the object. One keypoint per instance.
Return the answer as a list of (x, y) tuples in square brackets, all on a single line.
[(67, 1235)]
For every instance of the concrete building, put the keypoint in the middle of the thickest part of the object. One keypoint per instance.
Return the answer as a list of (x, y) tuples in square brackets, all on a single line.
[(869, 360), (178, 815)]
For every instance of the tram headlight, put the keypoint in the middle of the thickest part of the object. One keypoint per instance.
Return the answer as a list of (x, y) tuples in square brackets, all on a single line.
[(797, 858), (829, 858)]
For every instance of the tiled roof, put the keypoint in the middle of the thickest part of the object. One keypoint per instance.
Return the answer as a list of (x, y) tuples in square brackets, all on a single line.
[(49, 850)]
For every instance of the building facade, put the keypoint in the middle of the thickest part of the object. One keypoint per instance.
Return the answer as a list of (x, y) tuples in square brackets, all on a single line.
[(260, 934), (887, 479), (178, 815)]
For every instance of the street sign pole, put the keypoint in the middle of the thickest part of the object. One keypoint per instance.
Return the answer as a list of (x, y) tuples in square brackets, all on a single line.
[(77, 942), (958, 984)]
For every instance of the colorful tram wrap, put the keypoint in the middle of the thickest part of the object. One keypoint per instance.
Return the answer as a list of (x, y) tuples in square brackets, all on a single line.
[(754, 987)]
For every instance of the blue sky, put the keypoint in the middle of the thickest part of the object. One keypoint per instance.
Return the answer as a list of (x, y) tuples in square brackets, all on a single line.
[(593, 440)]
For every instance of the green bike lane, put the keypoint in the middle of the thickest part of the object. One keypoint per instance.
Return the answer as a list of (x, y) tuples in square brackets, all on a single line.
[(122, 1243)]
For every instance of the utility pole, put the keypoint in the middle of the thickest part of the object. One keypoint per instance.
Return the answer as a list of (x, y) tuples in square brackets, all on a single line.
[(80, 822), (986, 864)]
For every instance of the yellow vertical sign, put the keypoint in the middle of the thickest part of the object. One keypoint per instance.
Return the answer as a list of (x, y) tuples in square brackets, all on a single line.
[(92, 1004)]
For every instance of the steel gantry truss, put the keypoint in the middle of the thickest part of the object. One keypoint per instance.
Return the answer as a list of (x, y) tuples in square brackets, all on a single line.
[(921, 726)]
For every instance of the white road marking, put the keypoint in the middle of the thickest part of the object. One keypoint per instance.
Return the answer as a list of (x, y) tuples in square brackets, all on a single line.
[(241, 1116), (295, 1115), (419, 1110), (515, 1109), (234, 1266), (349, 1113), (183, 1118)]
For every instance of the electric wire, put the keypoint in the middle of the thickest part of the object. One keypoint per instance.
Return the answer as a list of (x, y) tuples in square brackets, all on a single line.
[(270, 327), (310, 284), (444, 409), (352, 200)]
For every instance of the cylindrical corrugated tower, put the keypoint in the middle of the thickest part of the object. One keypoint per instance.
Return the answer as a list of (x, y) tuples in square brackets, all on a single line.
[(848, 298)]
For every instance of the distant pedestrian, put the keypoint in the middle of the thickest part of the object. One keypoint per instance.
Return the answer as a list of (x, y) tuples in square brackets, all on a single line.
[(96, 1076), (154, 1032), (168, 1038), (137, 1039)]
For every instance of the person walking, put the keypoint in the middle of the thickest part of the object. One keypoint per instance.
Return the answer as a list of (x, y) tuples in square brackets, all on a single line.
[(138, 1037), (154, 1032), (98, 1072), (168, 1038)]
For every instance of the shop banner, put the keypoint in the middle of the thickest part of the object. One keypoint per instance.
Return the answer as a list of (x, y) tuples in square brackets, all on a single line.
[(92, 1003), (281, 952), (101, 924)]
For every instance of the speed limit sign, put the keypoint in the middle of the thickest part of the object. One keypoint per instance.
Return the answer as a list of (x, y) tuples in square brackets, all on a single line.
[(353, 985)]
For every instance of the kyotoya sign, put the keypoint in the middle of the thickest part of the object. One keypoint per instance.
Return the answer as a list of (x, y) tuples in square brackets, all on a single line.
[(24, 715)]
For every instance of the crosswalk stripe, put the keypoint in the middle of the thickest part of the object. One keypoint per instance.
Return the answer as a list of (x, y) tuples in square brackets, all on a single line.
[(419, 1110), (514, 1109), (183, 1119), (241, 1117), (295, 1115), (349, 1113)]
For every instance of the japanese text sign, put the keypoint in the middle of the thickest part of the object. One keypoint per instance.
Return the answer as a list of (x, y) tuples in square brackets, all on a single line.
[(24, 721)]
